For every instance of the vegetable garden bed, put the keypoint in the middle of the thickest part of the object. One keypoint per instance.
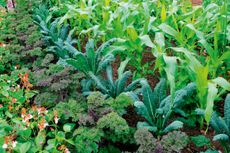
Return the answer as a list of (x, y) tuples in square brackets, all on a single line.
[(112, 76)]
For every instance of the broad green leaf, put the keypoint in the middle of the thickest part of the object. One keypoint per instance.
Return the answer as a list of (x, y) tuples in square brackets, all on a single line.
[(221, 137), (160, 40), (148, 98), (147, 126), (24, 148), (222, 83), (132, 33), (143, 111), (227, 110), (98, 82), (91, 54), (212, 93), (121, 68), (168, 30), (80, 63), (173, 126), (147, 41), (171, 69), (40, 140), (121, 82), (202, 84), (163, 13)]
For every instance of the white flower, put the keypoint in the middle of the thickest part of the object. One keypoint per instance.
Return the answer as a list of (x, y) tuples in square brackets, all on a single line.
[(45, 125), (26, 117), (4, 146), (56, 120), (67, 150), (14, 143)]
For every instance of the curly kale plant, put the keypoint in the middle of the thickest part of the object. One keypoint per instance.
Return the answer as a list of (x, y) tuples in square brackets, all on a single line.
[(87, 139), (71, 110), (156, 108), (172, 142), (113, 88), (115, 128), (56, 82), (222, 126), (99, 105)]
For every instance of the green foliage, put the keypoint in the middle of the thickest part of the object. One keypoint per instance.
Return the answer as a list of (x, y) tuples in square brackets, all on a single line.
[(172, 142), (3, 3), (115, 128), (175, 141), (109, 149), (221, 126), (98, 104), (206, 88), (200, 141), (87, 139), (171, 30), (156, 108), (56, 37), (71, 110), (146, 141), (56, 83), (96, 59), (113, 88), (210, 151)]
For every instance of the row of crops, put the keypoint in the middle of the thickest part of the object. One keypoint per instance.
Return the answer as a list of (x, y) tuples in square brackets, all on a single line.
[(112, 76)]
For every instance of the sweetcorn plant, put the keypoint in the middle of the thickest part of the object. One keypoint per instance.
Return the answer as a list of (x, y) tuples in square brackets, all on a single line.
[(222, 126), (157, 108), (207, 89)]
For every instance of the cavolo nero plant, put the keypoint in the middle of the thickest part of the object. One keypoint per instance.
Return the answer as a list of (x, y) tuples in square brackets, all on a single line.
[(222, 126), (57, 37), (113, 88), (156, 107), (94, 59)]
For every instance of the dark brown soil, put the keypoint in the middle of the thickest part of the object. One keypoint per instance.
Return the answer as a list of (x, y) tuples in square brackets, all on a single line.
[(191, 148), (196, 2), (147, 57), (132, 117)]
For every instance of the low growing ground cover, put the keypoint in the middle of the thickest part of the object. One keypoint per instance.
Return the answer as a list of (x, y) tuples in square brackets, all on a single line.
[(113, 76)]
